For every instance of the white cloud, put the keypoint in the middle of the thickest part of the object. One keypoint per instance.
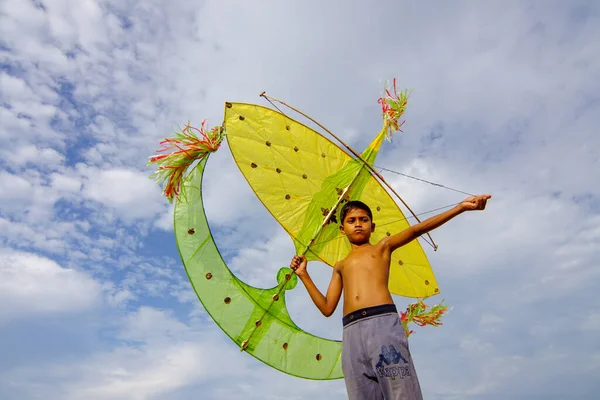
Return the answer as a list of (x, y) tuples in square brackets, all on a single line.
[(151, 325), (259, 263), (158, 356), (12, 86), (30, 154), (29, 113), (65, 184), (26, 196), (130, 193), (137, 375), (592, 322), (165, 222), (31, 284), (157, 365), (491, 323), (14, 187), (120, 298), (166, 358)]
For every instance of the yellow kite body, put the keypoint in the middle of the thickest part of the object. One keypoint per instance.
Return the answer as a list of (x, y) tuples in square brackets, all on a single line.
[(300, 176)]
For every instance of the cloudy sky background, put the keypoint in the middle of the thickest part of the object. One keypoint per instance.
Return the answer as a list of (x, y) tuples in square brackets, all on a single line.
[(94, 301)]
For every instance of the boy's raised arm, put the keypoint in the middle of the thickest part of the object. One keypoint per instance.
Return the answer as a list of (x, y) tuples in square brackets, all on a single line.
[(408, 235), (326, 304)]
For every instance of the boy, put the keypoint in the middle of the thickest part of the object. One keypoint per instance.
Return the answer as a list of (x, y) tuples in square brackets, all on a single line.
[(375, 358)]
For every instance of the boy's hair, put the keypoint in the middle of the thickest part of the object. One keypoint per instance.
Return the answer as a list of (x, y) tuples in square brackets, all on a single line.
[(352, 205)]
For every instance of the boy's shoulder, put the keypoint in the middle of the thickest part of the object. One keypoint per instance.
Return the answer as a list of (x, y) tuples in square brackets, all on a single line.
[(358, 252), (339, 265)]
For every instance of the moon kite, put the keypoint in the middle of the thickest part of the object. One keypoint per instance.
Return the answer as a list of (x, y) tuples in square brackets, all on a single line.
[(303, 179), (256, 319)]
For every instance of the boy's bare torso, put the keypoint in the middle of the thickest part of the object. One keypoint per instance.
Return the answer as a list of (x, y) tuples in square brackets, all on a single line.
[(365, 274)]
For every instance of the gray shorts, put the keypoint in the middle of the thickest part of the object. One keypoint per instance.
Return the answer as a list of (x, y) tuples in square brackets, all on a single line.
[(375, 358)]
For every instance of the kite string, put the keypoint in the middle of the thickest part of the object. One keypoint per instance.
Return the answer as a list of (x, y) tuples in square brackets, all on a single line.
[(358, 156), (273, 104), (423, 180), (382, 168), (377, 174)]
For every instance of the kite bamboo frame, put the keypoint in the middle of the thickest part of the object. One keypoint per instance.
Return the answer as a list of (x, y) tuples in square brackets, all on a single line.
[(377, 174)]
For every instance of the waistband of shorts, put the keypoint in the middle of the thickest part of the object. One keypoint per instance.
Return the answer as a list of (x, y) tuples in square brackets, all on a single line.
[(368, 312)]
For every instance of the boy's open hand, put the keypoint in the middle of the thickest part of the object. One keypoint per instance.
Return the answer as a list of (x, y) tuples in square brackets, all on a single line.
[(298, 264), (475, 202)]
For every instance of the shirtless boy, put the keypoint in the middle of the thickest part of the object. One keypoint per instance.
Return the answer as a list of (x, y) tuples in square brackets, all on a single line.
[(376, 360)]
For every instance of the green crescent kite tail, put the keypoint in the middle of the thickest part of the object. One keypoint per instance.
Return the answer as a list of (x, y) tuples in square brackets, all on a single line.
[(240, 309)]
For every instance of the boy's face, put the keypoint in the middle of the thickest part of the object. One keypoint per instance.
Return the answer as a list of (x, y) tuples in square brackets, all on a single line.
[(357, 226)]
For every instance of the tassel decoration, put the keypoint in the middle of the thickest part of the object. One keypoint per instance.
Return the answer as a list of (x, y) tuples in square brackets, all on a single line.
[(392, 109), (422, 314), (187, 146)]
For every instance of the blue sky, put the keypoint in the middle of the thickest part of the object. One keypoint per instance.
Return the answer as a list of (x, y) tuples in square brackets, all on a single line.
[(94, 301)]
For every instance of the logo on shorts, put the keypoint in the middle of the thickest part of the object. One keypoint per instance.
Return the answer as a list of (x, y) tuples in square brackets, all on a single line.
[(389, 355)]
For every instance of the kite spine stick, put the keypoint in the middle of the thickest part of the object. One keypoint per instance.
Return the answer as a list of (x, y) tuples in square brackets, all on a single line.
[(377, 174), (333, 209), (246, 342)]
